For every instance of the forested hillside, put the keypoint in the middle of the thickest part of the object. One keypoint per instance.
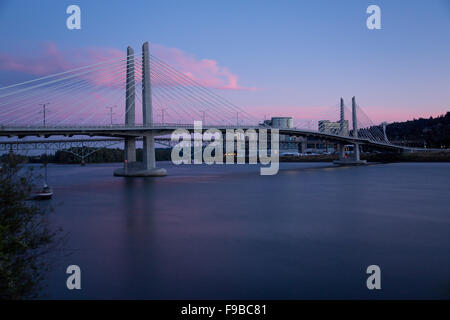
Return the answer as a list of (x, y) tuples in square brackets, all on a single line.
[(431, 132)]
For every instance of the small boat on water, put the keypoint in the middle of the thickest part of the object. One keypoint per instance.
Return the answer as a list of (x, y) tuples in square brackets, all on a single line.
[(43, 194)]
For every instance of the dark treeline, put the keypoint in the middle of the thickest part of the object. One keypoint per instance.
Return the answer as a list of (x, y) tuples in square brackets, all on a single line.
[(432, 156), (99, 156), (103, 155), (431, 132)]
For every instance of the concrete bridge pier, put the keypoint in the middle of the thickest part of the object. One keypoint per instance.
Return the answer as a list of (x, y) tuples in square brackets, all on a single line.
[(149, 159), (303, 145), (341, 151), (130, 150), (356, 152), (146, 168)]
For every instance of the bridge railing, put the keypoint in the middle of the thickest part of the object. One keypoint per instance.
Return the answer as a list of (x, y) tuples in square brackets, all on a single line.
[(123, 126), (40, 129)]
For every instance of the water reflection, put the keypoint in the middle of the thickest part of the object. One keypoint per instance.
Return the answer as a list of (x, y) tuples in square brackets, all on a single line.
[(227, 232)]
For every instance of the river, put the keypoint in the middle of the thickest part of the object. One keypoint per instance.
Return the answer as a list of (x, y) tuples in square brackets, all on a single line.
[(225, 232)]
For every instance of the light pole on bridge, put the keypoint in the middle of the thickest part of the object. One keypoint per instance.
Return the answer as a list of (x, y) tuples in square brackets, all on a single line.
[(163, 110), (111, 113), (44, 105), (204, 116)]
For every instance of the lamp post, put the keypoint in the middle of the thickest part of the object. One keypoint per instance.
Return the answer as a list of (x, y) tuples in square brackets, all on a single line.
[(111, 114), (44, 105)]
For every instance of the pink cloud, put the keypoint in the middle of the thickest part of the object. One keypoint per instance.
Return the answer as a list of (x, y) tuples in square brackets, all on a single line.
[(207, 72), (49, 59)]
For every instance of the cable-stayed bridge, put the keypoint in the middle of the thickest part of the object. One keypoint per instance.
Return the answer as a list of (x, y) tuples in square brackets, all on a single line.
[(105, 99)]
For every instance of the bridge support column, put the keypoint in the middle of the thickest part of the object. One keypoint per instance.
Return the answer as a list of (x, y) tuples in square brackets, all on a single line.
[(357, 152), (148, 166), (130, 143), (130, 150), (303, 144), (148, 156), (341, 152)]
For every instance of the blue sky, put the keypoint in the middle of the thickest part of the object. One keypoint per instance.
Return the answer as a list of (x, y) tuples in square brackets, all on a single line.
[(301, 56)]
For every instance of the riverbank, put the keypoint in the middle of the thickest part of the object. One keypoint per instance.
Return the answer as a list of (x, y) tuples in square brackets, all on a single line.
[(377, 157), (164, 155)]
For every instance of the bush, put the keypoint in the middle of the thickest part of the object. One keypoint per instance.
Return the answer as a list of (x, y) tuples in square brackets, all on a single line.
[(25, 236)]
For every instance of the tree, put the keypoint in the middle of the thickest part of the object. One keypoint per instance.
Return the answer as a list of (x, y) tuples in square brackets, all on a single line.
[(25, 235)]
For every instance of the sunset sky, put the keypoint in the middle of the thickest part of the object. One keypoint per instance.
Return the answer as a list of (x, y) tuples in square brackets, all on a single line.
[(271, 58)]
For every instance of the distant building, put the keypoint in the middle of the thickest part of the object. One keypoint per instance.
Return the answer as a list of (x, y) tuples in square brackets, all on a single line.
[(327, 126), (282, 122), (304, 145), (287, 143)]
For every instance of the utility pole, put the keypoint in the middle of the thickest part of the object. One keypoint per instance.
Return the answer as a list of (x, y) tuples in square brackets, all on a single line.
[(162, 115), (43, 109), (204, 116), (111, 113)]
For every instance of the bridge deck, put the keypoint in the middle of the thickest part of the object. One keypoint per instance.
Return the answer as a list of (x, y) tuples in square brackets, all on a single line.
[(122, 131)]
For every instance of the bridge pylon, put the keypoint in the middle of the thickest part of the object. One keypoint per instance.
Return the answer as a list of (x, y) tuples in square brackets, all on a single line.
[(342, 130), (130, 117), (146, 168), (343, 159)]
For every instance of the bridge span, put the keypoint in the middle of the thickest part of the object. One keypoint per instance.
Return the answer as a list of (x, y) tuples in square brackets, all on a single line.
[(155, 130), (83, 92)]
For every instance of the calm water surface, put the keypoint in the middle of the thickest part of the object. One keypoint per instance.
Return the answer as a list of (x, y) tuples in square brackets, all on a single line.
[(227, 232)]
